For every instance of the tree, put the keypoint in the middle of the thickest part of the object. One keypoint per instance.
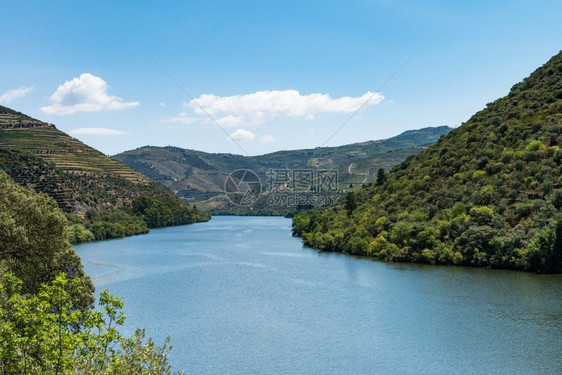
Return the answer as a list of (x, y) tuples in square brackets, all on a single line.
[(541, 250), (350, 202), (43, 334), (381, 177), (482, 214), (33, 240), (557, 250)]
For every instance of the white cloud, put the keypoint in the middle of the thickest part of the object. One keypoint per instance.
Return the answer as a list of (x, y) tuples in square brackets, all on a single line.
[(162, 104), (12, 95), (231, 120), (242, 135), (97, 131), (267, 139), (86, 93), (182, 118), (262, 106)]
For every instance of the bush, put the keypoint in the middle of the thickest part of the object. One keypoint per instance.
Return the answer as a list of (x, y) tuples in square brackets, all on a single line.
[(78, 234), (535, 146), (482, 215)]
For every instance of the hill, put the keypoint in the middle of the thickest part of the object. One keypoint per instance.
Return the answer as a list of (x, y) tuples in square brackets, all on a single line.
[(487, 194), (22, 132), (199, 177), (94, 190)]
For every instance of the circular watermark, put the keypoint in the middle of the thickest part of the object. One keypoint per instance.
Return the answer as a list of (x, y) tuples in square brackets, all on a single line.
[(242, 187)]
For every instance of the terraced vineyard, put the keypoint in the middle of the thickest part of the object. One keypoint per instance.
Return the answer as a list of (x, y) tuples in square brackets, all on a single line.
[(98, 191), (19, 131)]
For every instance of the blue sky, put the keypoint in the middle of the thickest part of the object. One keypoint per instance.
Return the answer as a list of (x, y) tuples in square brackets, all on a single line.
[(275, 74)]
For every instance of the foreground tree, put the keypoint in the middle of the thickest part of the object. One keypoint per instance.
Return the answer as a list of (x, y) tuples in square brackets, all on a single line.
[(43, 334), (47, 324), (33, 241)]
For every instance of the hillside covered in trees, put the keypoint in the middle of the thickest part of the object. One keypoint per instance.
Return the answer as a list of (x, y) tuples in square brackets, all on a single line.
[(101, 197), (487, 194)]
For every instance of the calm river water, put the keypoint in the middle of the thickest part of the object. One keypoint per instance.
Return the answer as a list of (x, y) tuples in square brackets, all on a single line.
[(239, 295)]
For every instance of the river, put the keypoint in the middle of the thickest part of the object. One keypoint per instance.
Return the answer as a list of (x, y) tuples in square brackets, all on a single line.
[(240, 295)]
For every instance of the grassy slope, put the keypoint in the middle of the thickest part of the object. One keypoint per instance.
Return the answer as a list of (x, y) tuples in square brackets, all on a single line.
[(487, 194)]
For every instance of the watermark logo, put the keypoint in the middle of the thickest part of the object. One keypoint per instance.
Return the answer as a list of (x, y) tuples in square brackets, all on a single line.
[(303, 180), (242, 187), (304, 200), (284, 187)]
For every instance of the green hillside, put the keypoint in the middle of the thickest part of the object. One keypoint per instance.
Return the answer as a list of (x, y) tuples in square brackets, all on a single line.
[(487, 194), (199, 177), (98, 193)]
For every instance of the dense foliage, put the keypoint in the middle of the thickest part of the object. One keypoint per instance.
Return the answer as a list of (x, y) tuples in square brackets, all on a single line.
[(144, 213), (47, 321), (165, 210), (33, 242), (487, 194), (42, 334)]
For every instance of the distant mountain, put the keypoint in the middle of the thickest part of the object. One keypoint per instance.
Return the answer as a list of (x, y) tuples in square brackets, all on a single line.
[(83, 181), (199, 177), (487, 194)]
